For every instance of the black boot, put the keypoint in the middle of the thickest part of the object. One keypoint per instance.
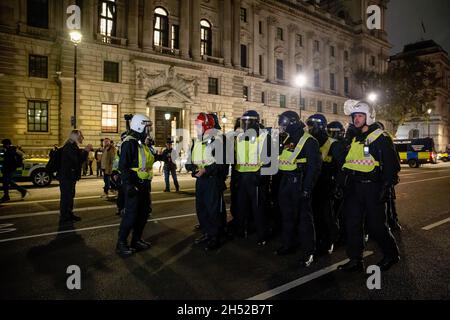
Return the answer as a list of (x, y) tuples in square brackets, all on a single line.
[(352, 266), (123, 249), (213, 244), (203, 238), (387, 263), (140, 245)]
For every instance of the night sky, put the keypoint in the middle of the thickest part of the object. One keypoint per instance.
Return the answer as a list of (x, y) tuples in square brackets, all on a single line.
[(403, 22)]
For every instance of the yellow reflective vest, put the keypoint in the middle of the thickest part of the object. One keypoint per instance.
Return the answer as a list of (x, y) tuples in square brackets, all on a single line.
[(201, 155), (145, 161), (248, 153), (288, 161), (357, 160), (325, 150)]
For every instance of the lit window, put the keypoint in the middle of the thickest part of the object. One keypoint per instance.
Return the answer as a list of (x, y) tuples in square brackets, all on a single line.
[(160, 28), (109, 118), (37, 116), (107, 18), (205, 38)]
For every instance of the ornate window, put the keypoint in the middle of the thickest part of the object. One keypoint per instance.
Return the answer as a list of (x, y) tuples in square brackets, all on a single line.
[(205, 38), (160, 28), (107, 18)]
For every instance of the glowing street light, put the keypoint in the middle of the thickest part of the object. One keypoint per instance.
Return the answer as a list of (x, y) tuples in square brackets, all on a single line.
[(372, 97), (300, 81), (75, 37)]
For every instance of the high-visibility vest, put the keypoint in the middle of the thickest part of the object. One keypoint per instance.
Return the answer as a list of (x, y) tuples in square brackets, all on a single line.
[(248, 153), (288, 161), (356, 160), (201, 156), (145, 160), (325, 150)]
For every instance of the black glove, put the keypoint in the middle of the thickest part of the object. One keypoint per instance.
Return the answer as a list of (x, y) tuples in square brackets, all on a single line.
[(384, 194), (305, 195), (132, 191), (338, 192)]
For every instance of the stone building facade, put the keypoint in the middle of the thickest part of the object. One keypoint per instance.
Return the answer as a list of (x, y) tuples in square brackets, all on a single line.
[(177, 58), (437, 124)]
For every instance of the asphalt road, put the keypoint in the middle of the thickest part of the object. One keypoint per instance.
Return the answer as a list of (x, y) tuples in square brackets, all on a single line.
[(35, 253)]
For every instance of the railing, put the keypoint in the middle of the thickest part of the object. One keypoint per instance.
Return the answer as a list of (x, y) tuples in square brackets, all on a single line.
[(111, 40), (212, 59), (166, 50)]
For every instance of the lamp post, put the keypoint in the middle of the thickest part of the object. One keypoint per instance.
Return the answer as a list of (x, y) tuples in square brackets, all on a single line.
[(428, 121), (224, 121), (75, 37), (300, 81)]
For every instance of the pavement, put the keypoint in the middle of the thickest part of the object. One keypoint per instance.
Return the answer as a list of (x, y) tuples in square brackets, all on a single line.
[(35, 253)]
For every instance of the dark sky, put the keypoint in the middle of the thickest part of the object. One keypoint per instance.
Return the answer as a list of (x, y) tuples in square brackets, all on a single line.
[(403, 22)]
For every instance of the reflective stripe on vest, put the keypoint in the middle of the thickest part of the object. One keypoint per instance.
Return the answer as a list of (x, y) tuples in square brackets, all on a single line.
[(325, 150), (248, 153), (200, 155), (145, 160), (288, 161), (356, 160)]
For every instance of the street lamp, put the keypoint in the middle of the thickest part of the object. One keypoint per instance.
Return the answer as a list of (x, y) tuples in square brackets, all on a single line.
[(167, 116), (299, 82), (428, 121), (75, 37), (372, 97), (224, 121)]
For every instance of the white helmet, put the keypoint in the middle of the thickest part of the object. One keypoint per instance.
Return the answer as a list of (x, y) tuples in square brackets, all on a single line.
[(356, 106), (139, 122)]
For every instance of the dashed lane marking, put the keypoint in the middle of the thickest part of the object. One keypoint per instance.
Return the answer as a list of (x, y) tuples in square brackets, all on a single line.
[(436, 224), (300, 281)]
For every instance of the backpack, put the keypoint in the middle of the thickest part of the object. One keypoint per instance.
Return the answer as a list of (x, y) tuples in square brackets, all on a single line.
[(54, 162), (18, 160)]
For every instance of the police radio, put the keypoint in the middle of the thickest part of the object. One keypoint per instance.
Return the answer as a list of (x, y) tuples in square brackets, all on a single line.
[(366, 149)]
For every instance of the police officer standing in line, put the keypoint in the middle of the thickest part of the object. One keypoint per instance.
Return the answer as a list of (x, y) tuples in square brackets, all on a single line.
[(202, 164), (336, 131), (333, 157), (252, 187), (135, 165), (371, 169), (391, 208), (299, 164)]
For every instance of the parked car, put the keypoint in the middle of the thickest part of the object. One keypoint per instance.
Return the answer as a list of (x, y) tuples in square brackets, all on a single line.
[(416, 152), (33, 170)]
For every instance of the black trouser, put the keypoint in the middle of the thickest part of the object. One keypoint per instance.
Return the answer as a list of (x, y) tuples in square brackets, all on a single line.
[(137, 210), (296, 215), (67, 188), (362, 206), (391, 209), (251, 202), (208, 203), (325, 220), (171, 171), (8, 182), (99, 169)]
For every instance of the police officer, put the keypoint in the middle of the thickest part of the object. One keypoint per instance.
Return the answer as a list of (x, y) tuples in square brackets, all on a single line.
[(299, 164), (333, 157), (202, 164), (336, 130), (371, 168), (135, 165), (252, 187), (391, 208)]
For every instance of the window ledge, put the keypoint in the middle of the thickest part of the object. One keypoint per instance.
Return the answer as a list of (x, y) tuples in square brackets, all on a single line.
[(166, 50), (111, 40), (212, 59)]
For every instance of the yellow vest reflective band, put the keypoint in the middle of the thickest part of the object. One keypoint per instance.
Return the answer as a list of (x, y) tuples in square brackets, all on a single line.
[(325, 150), (145, 161), (356, 160), (248, 153), (287, 161), (200, 155)]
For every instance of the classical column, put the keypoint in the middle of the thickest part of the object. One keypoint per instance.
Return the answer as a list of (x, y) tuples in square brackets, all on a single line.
[(147, 30), (133, 14), (121, 18), (271, 21), (309, 68), (255, 45), (195, 28), (226, 29), (292, 69), (237, 33), (184, 28), (88, 21)]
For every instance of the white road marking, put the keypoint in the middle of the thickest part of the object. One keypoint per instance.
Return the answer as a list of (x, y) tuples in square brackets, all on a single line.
[(415, 181), (300, 281), (43, 213), (436, 224), (422, 172), (78, 198), (90, 228)]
